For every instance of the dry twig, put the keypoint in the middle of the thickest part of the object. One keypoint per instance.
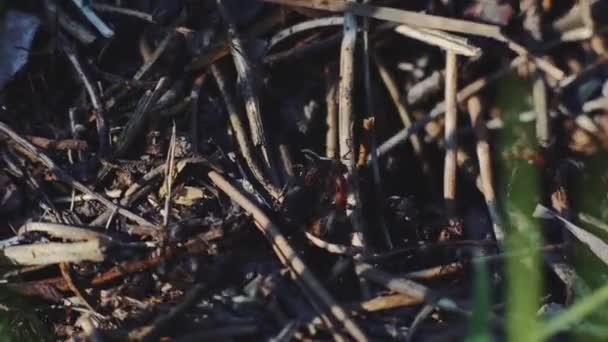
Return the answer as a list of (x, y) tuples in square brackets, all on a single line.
[(65, 177), (451, 119), (289, 257)]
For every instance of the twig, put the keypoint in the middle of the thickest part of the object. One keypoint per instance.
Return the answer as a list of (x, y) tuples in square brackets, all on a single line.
[(346, 124), (435, 272), (241, 136), (138, 120), (304, 26), (485, 166), (258, 29), (332, 247), (398, 16), (600, 103), (67, 276), (246, 80), (160, 49), (371, 113), (194, 111), (93, 18), (75, 128), (345, 92), (286, 160), (594, 221), (331, 141), (54, 253), (397, 99), (72, 27), (407, 287), (169, 174), (577, 24), (389, 302), (65, 177), (63, 231), (103, 131), (289, 256), (426, 87), (439, 109), (595, 244), (543, 121), (451, 120), (447, 42), (221, 333), (303, 51), (124, 11), (60, 145), (477, 85), (152, 332), (393, 91), (544, 65), (426, 311), (134, 192)]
